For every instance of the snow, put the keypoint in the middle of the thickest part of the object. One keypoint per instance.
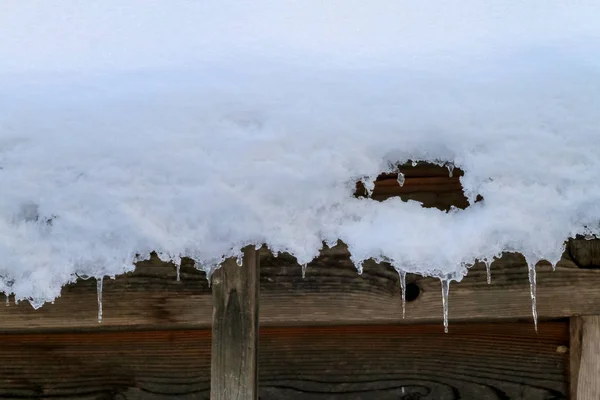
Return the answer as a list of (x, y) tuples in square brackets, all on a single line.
[(196, 128)]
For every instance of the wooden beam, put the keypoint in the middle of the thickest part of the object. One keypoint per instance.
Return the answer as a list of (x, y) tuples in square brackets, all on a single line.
[(428, 184), (234, 366), (475, 361), (331, 294), (585, 358), (585, 253)]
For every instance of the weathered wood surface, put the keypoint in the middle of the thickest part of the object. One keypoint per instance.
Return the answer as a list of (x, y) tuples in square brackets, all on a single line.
[(585, 358), (585, 253), (475, 361), (235, 329), (331, 294), (431, 185)]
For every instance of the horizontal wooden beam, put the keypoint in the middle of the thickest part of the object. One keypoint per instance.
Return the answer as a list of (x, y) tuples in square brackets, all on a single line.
[(331, 294), (424, 184), (431, 185), (475, 361)]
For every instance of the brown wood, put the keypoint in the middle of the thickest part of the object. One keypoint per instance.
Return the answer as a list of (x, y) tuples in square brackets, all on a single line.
[(474, 361), (107, 365), (438, 192), (423, 184), (234, 366), (331, 294), (585, 358), (585, 253), (430, 185)]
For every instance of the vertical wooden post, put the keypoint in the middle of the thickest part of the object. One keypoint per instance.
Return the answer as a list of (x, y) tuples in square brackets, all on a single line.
[(585, 358), (234, 365)]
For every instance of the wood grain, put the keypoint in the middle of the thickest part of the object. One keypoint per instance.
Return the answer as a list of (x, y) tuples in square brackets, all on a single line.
[(474, 361), (585, 253), (585, 358), (431, 185), (234, 353), (331, 294)]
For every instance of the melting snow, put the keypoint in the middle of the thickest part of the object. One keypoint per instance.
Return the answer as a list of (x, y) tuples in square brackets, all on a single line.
[(196, 128)]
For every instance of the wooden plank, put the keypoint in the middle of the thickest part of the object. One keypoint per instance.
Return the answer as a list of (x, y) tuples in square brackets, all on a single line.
[(108, 365), (234, 366), (585, 253), (331, 294), (483, 361), (421, 184), (585, 358), (428, 184), (474, 361)]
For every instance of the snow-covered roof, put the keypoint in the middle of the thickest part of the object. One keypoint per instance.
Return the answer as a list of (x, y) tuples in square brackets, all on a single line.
[(197, 128)]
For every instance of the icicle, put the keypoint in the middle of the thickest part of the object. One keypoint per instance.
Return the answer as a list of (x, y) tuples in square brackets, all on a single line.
[(209, 273), (450, 167), (401, 179), (7, 299), (403, 288), (177, 261), (99, 292), (240, 260), (369, 186), (532, 291), (359, 267), (208, 269), (331, 243), (36, 303), (488, 271), (414, 163), (304, 270), (445, 291)]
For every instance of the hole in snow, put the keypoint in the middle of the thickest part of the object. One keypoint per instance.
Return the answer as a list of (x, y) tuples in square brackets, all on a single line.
[(432, 185), (412, 292)]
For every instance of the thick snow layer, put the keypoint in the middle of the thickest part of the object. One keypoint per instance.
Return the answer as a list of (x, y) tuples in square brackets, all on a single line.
[(196, 128)]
